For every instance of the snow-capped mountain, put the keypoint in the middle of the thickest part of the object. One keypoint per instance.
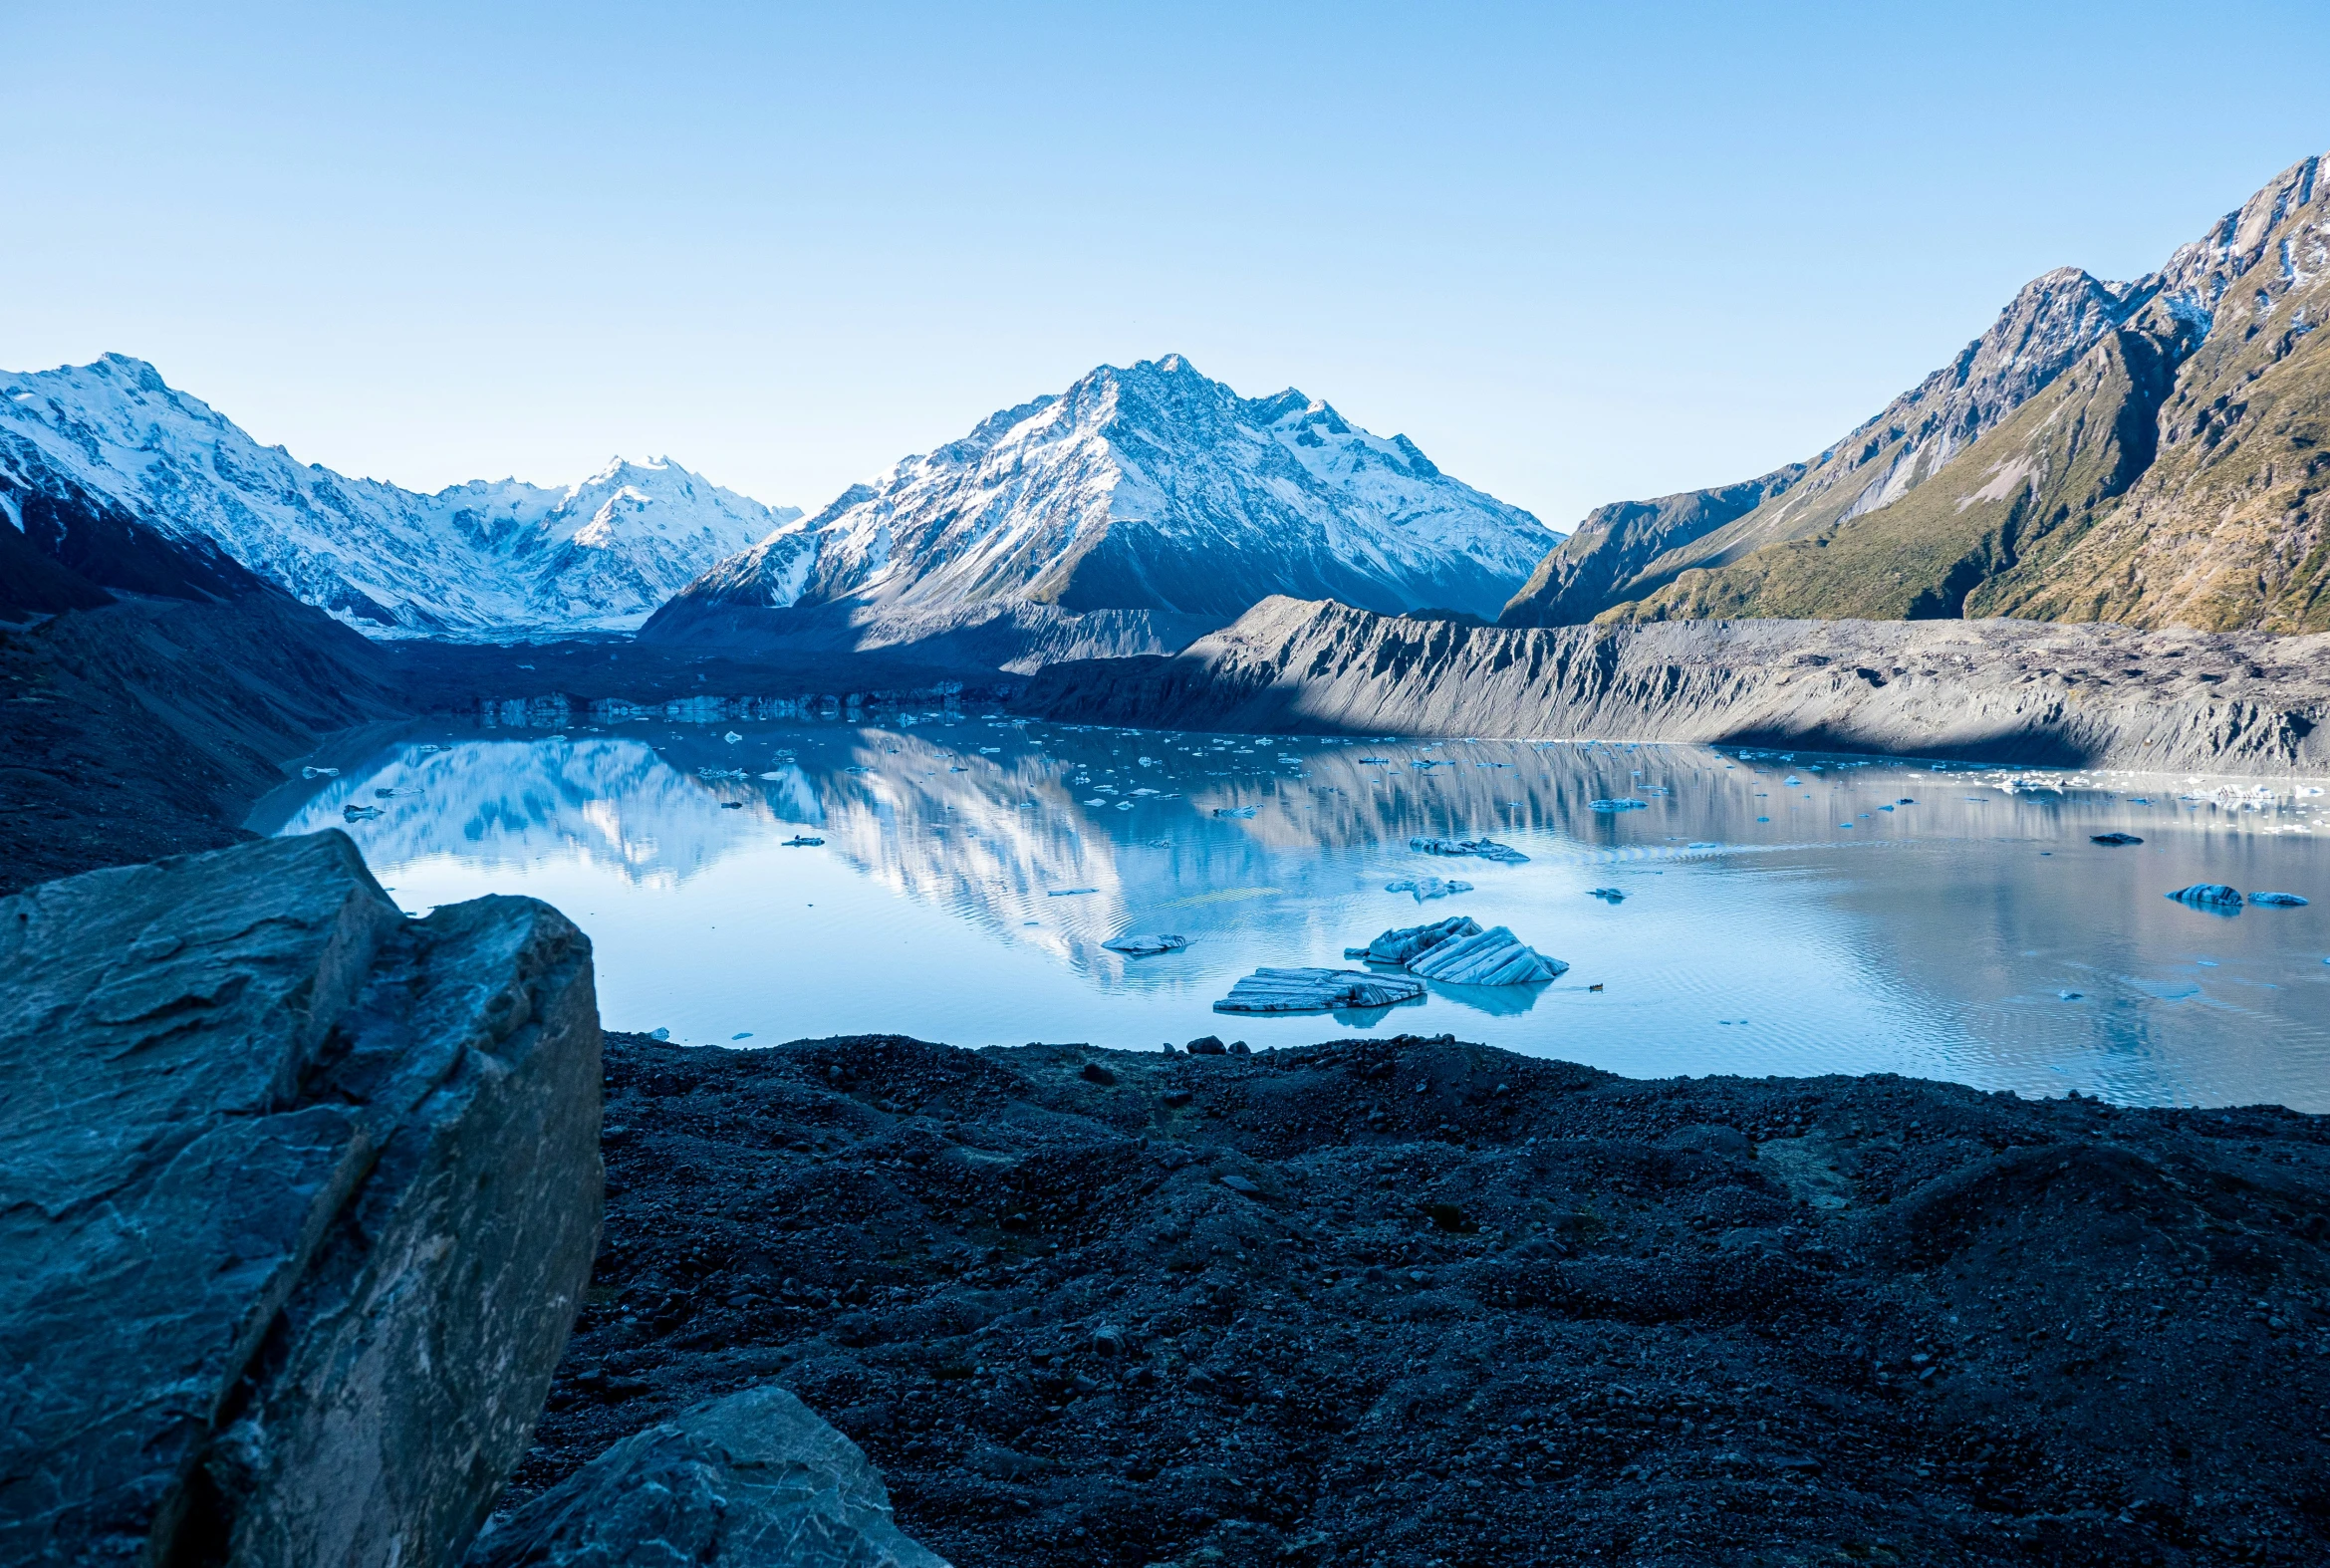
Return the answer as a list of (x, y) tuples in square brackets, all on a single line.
[(484, 559), (1150, 488)]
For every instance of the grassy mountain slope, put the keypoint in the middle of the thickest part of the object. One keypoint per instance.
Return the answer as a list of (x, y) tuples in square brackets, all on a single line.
[(2229, 527), (2153, 453), (1643, 546), (1579, 577), (2018, 495)]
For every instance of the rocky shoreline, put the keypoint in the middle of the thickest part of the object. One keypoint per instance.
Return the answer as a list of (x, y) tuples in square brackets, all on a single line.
[(1412, 1301), (2011, 692)]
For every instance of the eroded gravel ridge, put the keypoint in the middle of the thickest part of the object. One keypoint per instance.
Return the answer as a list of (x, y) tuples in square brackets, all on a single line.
[(2020, 692)]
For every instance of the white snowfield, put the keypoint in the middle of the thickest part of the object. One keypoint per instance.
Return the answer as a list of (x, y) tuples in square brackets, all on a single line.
[(487, 559), (1152, 487)]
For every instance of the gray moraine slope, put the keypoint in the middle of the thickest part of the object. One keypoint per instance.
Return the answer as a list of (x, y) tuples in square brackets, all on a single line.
[(2001, 690)]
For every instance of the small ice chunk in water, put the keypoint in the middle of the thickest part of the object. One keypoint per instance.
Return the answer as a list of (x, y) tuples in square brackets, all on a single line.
[(731, 737), (1607, 895), (1486, 848), (333, 773), (2284, 901), (1428, 887), (1146, 946), (2208, 896)]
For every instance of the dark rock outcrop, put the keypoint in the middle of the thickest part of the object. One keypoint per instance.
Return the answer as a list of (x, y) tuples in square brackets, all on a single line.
[(747, 1481), (1997, 690), (297, 1200)]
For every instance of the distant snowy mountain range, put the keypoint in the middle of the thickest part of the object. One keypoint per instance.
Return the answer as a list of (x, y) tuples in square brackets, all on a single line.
[(491, 558), (1154, 490), (1150, 488)]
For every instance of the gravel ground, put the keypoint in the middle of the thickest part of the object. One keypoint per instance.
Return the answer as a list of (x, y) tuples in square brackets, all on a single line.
[(1413, 1301)]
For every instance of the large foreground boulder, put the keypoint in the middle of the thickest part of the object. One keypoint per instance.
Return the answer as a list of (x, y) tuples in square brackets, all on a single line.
[(297, 1200), (753, 1480)]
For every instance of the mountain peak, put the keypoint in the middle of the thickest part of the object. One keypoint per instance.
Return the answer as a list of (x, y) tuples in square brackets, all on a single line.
[(1152, 487), (138, 372)]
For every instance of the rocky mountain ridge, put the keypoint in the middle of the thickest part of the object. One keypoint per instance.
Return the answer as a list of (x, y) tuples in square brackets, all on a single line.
[(1150, 488), (2150, 452), (110, 446)]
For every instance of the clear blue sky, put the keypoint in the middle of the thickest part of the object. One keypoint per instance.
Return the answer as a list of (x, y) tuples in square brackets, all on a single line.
[(1578, 253)]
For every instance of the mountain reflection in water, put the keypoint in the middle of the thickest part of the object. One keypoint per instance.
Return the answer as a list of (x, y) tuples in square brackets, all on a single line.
[(1865, 917)]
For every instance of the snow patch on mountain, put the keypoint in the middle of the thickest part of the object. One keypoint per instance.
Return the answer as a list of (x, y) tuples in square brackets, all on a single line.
[(491, 558)]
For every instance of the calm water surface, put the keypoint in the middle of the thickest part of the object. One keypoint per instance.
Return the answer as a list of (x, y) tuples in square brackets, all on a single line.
[(1782, 913)]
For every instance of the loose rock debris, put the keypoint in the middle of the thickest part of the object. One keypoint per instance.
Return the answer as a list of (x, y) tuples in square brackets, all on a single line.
[(1713, 1321)]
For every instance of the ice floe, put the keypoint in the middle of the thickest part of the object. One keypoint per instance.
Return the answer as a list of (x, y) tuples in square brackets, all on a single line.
[(1315, 990), (1146, 946), (1486, 848), (1459, 951), (1428, 887)]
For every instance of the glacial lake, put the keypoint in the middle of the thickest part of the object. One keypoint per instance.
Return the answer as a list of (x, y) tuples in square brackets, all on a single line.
[(1782, 913)]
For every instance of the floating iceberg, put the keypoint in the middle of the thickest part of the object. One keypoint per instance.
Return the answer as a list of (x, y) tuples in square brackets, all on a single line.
[(1404, 944), (1607, 895), (1233, 811), (1315, 990), (1459, 951), (1492, 958), (1620, 805), (1486, 848), (2114, 839), (333, 773), (2208, 896), (801, 840), (1146, 946), (2284, 901), (1428, 887), (365, 812)]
